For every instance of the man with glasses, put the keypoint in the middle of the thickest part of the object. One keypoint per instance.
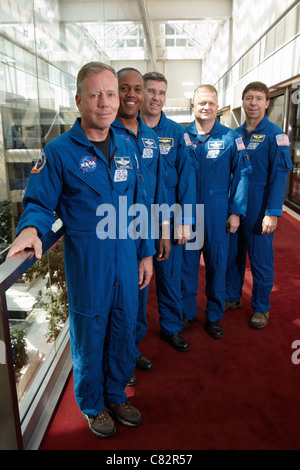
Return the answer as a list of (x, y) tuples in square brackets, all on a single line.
[(180, 183)]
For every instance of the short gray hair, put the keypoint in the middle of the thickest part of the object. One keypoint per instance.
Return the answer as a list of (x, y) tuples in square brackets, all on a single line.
[(89, 69), (159, 77), (206, 87)]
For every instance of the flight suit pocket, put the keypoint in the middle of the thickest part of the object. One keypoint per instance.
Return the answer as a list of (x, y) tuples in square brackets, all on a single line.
[(85, 185), (284, 162)]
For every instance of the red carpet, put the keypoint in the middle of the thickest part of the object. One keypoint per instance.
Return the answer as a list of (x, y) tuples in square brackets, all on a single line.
[(240, 393)]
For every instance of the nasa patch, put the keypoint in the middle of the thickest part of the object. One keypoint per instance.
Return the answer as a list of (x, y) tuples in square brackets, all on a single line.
[(88, 164)]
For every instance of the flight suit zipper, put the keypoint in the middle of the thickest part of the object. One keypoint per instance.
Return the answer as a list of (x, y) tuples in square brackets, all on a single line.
[(112, 198), (109, 164), (202, 142), (84, 183)]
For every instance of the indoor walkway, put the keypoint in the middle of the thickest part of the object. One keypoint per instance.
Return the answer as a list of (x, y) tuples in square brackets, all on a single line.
[(241, 392)]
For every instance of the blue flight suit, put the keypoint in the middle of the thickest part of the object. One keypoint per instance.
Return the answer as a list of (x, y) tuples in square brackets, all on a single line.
[(74, 179), (151, 167), (180, 184), (221, 181), (269, 153)]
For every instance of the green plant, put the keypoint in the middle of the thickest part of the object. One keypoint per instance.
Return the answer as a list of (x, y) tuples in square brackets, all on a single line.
[(53, 301), (5, 227), (56, 309), (18, 345)]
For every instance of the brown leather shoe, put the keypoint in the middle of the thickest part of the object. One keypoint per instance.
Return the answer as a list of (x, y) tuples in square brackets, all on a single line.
[(125, 413), (229, 305), (259, 320), (101, 425)]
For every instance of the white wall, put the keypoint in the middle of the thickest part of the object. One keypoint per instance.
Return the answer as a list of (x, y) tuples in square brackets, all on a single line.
[(275, 57), (251, 19), (218, 60), (183, 77)]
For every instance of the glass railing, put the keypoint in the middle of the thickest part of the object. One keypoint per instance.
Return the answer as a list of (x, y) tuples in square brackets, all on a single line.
[(34, 341)]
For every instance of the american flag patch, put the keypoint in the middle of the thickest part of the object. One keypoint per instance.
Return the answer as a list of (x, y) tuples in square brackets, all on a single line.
[(187, 139), (240, 144), (282, 139)]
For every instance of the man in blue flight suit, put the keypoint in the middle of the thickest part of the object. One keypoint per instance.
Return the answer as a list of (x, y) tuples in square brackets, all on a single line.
[(269, 154), (81, 175), (221, 181), (180, 184), (146, 145)]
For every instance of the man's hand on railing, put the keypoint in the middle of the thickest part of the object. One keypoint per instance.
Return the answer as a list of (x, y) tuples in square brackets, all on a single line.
[(28, 238)]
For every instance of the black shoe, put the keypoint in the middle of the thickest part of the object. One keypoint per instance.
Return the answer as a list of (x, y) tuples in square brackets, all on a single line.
[(132, 381), (142, 363), (177, 342), (214, 329), (186, 324)]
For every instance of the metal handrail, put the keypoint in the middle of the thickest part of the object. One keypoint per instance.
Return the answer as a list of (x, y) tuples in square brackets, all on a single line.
[(13, 268), (10, 272)]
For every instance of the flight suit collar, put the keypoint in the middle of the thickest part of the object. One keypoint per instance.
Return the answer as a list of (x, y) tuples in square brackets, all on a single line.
[(141, 126), (263, 123), (256, 139), (78, 134), (162, 120), (214, 131)]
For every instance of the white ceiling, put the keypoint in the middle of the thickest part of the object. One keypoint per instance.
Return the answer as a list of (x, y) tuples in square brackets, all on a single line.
[(152, 30)]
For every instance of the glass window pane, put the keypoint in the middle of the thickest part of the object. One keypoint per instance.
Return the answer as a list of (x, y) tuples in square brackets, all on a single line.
[(295, 153), (38, 67), (276, 110)]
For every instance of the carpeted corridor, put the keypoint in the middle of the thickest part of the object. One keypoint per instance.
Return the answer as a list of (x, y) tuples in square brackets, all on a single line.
[(241, 392)]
